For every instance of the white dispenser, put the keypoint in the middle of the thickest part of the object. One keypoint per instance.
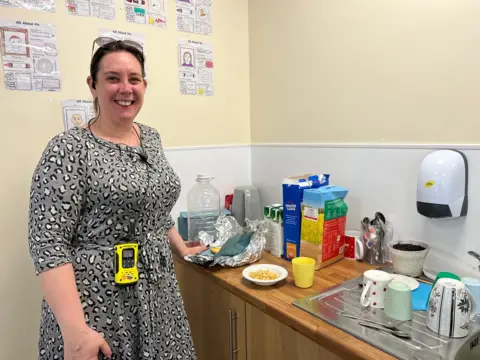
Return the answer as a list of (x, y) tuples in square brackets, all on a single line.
[(443, 185)]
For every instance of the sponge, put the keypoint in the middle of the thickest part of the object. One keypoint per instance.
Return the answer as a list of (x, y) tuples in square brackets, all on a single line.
[(215, 249), (420, 297)]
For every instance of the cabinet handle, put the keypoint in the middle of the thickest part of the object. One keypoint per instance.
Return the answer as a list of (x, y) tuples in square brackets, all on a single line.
[(231, 317)]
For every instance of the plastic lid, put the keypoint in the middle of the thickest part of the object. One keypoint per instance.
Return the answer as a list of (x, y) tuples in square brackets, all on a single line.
[(204, 177)]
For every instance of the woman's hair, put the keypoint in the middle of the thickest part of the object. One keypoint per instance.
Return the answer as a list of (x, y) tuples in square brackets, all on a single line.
[(114, 46)]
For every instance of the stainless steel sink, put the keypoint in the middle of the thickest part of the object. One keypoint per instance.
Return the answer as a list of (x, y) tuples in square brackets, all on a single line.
[(424, 344)]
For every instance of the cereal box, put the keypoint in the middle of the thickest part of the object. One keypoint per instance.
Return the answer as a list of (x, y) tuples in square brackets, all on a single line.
[(324, 214), (293, 188)]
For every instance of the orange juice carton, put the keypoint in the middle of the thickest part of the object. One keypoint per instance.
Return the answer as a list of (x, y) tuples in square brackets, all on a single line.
[(293, 188), (324, 215)]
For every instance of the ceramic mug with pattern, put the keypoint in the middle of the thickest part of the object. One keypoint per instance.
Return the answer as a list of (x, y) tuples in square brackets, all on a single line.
[(375, 285), (451, 307)]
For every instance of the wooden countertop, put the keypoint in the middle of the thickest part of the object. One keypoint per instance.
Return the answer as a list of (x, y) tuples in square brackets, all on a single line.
[(276, 301)]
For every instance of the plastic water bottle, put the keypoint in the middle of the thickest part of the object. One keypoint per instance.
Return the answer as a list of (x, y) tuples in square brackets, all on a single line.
[(203, 206)]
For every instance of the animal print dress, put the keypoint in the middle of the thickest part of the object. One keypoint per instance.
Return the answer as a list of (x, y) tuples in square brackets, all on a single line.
[(85, 196)]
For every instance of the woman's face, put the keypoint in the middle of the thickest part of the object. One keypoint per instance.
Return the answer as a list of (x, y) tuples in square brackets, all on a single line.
[(120, 87), (187, 58)]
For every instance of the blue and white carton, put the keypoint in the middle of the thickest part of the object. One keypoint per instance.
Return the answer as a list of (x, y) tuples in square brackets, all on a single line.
[(293, 187)]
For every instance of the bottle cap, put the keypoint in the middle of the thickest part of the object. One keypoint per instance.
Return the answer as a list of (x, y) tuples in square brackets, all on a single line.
[(203, 177)]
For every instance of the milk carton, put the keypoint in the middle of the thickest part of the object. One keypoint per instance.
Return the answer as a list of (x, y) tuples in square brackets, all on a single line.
[(273, 216), (293, 188)]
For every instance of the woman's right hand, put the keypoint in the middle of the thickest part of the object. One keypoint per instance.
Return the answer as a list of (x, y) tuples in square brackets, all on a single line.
[(84, 344)]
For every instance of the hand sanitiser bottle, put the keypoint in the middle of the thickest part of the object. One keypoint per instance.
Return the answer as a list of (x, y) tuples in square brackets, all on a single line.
[(203, 206)]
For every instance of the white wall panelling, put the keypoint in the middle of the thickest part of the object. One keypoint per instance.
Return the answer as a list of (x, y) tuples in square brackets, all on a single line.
[(230, 164), (379, 178)]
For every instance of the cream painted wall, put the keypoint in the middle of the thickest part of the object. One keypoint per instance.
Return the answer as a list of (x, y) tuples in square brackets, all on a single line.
[(30, 119), (182, 120), (365, 71), (363, 90)]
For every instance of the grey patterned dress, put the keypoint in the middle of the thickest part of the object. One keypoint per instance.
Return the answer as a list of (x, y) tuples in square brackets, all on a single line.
[(85, 193)]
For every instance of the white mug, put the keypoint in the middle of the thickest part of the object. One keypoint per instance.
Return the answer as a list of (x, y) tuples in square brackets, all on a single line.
[(375, 285), (451, 308)]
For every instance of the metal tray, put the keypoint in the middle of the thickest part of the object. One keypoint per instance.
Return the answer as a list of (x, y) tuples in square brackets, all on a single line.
[(424, 344)]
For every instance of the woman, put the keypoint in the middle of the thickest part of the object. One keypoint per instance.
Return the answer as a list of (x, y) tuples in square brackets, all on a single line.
[(96, 187)]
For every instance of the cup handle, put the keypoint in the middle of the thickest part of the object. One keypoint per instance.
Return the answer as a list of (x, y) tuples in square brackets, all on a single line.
[(363, 301), (473, 312), (359, 246)]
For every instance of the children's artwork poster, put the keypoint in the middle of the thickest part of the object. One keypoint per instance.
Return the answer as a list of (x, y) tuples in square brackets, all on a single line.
[(125, 35), (194, 16), (195, 68), (29, 56), (102, 9), (42, 5), (150, 12), (77, 112)]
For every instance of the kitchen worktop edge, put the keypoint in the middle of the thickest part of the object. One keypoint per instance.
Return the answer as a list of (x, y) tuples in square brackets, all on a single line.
[(276, 301)]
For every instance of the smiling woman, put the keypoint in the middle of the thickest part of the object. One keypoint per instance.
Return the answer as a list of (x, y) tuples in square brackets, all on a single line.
[(117, 83), (97, 190)]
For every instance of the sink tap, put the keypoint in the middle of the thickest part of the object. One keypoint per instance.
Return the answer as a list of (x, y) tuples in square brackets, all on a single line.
[(476, 256)]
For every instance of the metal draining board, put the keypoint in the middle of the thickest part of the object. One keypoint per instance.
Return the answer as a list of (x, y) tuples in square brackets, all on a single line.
[(424, 345)]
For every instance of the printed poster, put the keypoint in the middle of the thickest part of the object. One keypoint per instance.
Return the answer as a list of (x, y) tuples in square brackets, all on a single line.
[(29, 56), (194, 16), (195, 68), (125, 35), (42, 5), (77, 112), (102, 9), (150, 12)]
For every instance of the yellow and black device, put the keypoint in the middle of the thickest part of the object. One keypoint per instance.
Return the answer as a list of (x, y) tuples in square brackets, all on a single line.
[(126, 257)]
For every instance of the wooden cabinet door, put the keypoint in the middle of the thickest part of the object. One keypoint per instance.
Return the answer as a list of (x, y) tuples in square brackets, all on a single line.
[(269, 339), (216, 316)]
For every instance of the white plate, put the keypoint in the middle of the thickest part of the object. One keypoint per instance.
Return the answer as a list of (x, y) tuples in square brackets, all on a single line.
[(432, 275), (406, 280), (280, 271)]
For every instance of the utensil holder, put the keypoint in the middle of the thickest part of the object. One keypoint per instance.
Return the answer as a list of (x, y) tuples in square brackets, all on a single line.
[(376, 249)]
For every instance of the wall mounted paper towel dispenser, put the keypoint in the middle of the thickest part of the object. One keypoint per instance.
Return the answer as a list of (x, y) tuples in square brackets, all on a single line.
[(442, 187)]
